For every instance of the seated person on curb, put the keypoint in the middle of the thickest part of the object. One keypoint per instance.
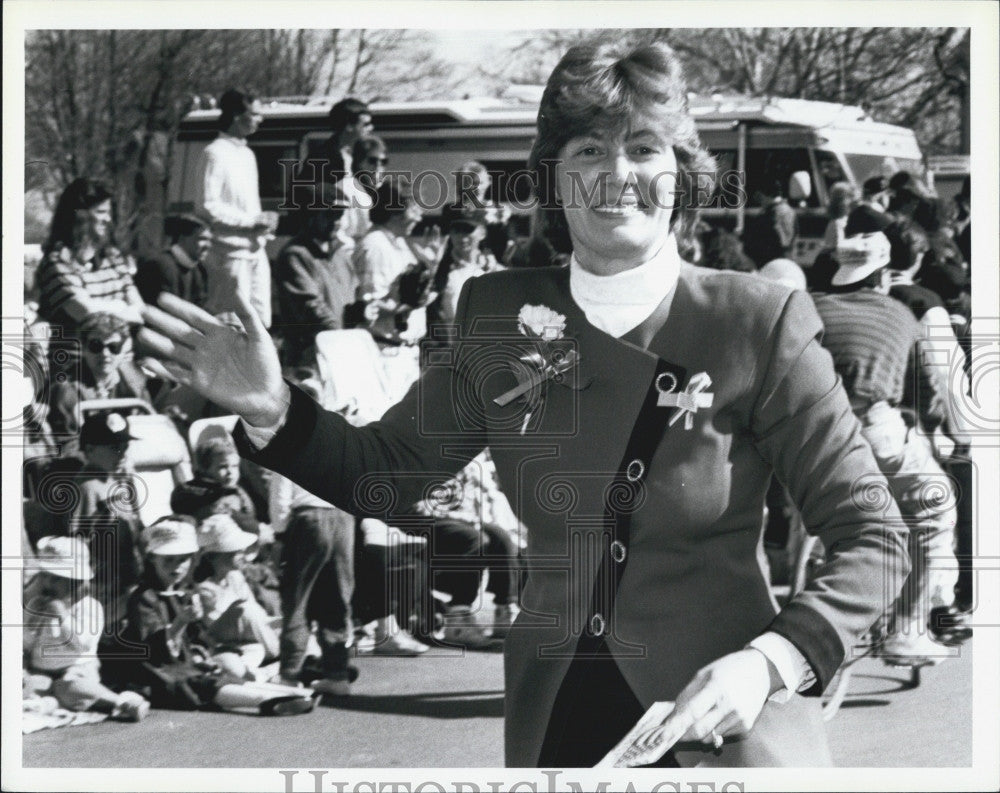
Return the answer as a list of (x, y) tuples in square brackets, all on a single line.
[(165, 616), (317, 581), (105, 373), (180, 269), (466, 533), (62, 627), (237, 624), (390, 570), (215, 490), (314, 283)]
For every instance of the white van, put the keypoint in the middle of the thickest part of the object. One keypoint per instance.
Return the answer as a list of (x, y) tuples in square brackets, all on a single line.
[(805, 145)]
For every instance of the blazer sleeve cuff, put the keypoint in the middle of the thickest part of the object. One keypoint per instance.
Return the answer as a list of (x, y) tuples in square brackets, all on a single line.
[(815, 638), (284, 442)]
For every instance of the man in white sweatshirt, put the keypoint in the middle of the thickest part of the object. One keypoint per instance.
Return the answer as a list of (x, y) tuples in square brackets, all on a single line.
[(230, 200)]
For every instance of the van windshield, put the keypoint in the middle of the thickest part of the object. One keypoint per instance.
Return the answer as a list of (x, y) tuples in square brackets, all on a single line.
[(765, 167), (866, 166)]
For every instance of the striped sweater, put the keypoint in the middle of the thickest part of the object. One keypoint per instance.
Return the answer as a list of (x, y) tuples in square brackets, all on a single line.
[(877, 346)]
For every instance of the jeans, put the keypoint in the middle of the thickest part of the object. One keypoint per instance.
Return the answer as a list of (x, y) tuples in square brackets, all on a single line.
[(459, 555), (926, 500), (317, 583)]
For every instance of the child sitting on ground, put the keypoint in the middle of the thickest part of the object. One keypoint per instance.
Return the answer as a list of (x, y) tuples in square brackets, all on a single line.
[(215, 490), (62, 625), (164, 615), (238, 626)]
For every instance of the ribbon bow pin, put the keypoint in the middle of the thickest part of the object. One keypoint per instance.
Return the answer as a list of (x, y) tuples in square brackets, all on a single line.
[(687, 401)]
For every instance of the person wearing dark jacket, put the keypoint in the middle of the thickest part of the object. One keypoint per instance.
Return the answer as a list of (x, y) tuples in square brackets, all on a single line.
[(315, 281), (180, 269)]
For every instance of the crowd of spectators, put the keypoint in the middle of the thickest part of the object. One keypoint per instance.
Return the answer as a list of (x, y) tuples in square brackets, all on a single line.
[(240, 593), (251, 593)]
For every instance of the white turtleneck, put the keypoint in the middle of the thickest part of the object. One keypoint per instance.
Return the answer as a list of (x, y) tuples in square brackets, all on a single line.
[(617, 303)]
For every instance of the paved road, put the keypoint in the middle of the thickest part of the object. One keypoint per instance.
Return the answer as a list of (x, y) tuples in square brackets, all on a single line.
[(446, 711)]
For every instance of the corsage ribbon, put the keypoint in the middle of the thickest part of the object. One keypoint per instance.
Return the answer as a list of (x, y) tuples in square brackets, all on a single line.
[(689, 400), (553, 369)]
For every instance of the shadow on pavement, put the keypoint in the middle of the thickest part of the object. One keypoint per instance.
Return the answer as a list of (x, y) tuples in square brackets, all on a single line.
[(446, 705)]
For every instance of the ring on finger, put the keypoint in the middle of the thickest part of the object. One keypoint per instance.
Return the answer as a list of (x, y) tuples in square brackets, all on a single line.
[(717, 740)]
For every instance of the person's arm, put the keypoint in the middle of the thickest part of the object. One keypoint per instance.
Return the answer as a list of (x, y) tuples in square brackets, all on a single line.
[(803, 425), (299, 282), (353, 468), (350, 467)]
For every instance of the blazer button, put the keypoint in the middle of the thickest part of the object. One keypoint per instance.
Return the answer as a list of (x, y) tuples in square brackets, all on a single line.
[(618, 551), (634, 470), (597, 625)]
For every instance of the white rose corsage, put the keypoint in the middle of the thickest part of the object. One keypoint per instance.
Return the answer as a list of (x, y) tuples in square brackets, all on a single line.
[(547, 362)]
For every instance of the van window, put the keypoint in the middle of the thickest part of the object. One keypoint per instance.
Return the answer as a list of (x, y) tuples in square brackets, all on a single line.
[(830, 168), (763, 168)]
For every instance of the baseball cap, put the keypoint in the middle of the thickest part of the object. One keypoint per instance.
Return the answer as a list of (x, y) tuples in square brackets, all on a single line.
[(859, 256), (105, 429)]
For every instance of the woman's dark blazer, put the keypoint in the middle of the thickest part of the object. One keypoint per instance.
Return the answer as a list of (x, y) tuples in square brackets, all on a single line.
[(686, 584)]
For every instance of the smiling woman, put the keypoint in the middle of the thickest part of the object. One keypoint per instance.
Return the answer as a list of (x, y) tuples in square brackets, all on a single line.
[(644, 583), (623, 122)]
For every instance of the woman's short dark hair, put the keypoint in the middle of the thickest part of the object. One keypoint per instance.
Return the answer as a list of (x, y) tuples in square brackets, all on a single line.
[(599, 86), (391, 198), (233, 103), (67, 226)]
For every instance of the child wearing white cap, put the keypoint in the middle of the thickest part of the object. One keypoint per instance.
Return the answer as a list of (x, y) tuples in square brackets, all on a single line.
[(165, 617), (62, 626), (237, 624)]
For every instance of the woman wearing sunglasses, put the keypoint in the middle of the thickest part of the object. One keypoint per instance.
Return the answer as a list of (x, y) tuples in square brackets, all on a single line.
[(105, 372)]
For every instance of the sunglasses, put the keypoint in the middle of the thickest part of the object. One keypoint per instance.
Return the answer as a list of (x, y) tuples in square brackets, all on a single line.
[(96, 346)]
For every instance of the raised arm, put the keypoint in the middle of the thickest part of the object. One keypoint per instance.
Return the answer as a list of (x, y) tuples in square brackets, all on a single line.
[(363, 470)]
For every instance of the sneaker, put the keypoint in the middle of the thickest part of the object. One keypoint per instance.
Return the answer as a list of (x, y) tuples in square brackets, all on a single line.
[(460, 627), (130, 707), (919, 648), (288, 706), (503, 618), (400, 644)]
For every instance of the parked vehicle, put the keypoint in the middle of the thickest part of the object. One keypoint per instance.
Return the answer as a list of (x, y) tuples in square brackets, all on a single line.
[(807, 146)]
